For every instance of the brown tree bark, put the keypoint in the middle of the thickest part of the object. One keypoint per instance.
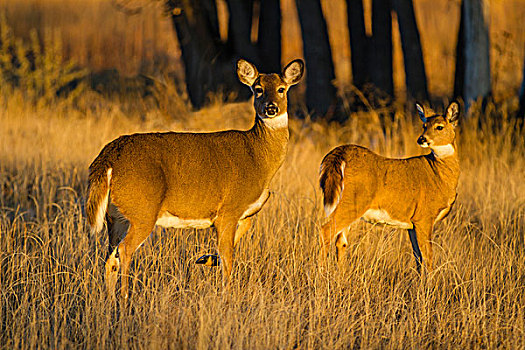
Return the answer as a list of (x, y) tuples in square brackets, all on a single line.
[(240, 29), (459, 72), (415, 76), (358, 42), (521, 111), (269, 38), (320, 92), (200, 47), (381, 71), (472, 79), (209, 63), (371, 56)]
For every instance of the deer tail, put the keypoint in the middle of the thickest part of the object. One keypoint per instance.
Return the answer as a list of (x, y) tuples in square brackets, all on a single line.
[(98, 192), (331, 178)]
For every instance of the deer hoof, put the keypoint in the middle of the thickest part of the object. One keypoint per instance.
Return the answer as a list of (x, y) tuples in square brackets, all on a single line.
[(209, 260)]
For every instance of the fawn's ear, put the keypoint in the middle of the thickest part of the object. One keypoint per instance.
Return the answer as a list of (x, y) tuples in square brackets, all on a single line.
[(293, 72), (421, 112), (452, 113), (246, 72)]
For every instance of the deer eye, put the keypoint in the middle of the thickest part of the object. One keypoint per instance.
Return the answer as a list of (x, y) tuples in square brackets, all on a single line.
[(280, 90), (439, 127), (258, 90)]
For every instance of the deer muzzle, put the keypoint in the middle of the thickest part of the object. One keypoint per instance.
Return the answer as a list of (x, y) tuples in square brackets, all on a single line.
[(271, 109), (422, 141)]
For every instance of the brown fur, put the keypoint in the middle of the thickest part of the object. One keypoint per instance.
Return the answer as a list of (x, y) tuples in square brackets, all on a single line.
[(415, 192), (192, 176)]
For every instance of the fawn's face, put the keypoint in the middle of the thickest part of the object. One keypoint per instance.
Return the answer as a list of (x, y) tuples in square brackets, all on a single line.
[(269, 90), (439, 130)]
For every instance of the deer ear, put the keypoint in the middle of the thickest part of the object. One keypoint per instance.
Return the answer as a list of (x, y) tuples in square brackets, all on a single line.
[(293, 72), (452, 114), (421, 112), (246, 72)]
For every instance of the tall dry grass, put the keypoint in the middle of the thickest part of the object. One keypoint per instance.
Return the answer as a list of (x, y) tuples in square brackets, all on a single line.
[(52, 292)]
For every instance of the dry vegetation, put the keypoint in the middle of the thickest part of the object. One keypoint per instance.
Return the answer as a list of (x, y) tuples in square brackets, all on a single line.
[(52, 291), (51, 278)]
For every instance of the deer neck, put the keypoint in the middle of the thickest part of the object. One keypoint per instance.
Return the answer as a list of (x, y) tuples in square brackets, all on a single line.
[(444, 161), (269, 137)]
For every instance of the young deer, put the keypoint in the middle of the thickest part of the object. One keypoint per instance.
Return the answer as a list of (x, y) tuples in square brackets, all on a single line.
[(412, 193), (191, 179)]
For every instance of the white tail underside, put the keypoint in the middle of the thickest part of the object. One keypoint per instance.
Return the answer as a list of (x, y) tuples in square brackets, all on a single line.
[(103, 206), (329, 208)]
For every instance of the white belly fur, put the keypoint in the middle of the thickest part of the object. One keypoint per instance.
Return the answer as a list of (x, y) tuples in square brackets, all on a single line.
[(380, 216), (168, 220)]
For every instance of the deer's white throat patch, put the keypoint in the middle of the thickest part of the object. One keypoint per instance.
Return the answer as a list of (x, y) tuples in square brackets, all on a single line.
[(168, 220), (281, 121), (443, 151)]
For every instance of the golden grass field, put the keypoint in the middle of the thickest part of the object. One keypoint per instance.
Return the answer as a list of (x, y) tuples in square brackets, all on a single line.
[(52, 289)]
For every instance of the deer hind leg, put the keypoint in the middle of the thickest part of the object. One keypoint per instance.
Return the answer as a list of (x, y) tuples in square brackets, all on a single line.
[(340, 244), (118, 226), (112, 269), (242, 227), (337, 223), (136, 236)]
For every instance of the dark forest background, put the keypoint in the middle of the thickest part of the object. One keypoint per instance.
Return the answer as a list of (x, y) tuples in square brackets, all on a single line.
[(360, 54)]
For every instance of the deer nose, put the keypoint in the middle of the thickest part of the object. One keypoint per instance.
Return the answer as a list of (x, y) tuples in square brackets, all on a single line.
[(422, 140), (271, 109)]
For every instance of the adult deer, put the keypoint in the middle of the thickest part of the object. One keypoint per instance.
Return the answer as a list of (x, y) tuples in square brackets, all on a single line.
[(412, 193), (194, 180)]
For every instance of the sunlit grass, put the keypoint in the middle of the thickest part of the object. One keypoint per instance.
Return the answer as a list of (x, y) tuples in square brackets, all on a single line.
[(52, 288)]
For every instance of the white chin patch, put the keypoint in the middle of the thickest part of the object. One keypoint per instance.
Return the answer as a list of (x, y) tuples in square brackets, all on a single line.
[(424, 145), (280, 121), (443, 151)]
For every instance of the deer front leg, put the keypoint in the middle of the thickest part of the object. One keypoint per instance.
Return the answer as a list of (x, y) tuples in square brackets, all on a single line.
[(415, 248), (226, 228), (213, 260), (420, 237)]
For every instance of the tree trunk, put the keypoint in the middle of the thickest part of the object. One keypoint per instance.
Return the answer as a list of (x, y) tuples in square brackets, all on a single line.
[(459, 73), (209, 64), (415, 76), (320, 92), (358, 42), (380, 58), (521, 111), (240, 29), (210, 8), (199, 47), (269, 38), (371, 56), (473, 67)]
